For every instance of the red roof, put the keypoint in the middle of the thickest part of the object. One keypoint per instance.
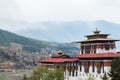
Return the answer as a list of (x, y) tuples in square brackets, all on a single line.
[(58, 60), (82, 56), (57, 56), (60, 56), (99, 55)]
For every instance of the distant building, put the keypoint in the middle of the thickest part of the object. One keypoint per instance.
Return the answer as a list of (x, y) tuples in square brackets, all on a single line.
[(57, 61), (94, 60)]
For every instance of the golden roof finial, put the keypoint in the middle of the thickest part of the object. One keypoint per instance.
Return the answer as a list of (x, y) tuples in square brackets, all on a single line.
[(96, 31)]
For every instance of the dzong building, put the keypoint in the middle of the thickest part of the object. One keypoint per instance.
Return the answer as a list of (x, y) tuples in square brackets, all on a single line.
[(94, 60)]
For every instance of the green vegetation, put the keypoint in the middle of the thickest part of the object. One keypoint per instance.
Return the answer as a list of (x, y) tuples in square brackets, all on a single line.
[(105, 77), (3, 78), (28, 44), (42, 73), (4, 55), (91, 78), (115, 69)]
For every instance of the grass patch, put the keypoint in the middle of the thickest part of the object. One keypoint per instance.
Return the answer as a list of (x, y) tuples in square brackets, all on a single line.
[(3, 78)]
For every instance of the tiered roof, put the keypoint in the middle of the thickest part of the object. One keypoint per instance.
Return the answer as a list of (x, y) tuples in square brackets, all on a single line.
[(96, 37), (59, 58), (109, 55)]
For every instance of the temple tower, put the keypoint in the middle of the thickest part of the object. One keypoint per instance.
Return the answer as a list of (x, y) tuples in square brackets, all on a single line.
[(97, 43)]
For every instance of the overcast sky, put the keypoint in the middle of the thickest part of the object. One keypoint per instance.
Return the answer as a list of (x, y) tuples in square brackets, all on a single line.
[(60, 10), (65, 18)]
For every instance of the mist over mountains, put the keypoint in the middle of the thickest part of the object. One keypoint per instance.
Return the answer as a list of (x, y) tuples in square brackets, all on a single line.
[(69, 31)]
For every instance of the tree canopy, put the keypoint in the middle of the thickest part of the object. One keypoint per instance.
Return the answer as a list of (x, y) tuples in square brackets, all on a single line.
[(115, 69), (43, 73), (105, 77)]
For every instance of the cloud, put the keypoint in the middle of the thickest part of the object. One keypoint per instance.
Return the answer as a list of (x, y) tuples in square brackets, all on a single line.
[(10, 10), (60, 10), (69, 10), (115, 3), (55, 10)]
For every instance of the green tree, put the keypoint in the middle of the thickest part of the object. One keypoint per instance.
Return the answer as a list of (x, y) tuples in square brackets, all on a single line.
[(25, 77), (43, 73), (59, 74), (105, 77), (115, 69), (91, 78)]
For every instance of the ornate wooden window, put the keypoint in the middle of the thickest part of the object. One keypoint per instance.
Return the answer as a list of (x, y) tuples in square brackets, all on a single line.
[(99, 65), (73, 72), (95, 48), (76, 73), (93, 66), (102, 46), (82, 48), (103, 67), (80, 64), (86, 66), (106, 46)]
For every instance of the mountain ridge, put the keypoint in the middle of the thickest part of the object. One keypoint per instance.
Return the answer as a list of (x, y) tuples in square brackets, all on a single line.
[(64, 31), (32, 45)]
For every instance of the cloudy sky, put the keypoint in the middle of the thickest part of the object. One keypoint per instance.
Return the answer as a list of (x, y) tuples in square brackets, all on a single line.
[(60, 10), (55, 20)]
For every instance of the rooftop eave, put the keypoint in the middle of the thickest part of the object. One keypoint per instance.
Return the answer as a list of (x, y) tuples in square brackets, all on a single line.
[(97, 34), (98, 55), (98, 39)]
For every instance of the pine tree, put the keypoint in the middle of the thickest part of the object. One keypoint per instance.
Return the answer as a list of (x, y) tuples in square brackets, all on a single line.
[(115, 69)]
